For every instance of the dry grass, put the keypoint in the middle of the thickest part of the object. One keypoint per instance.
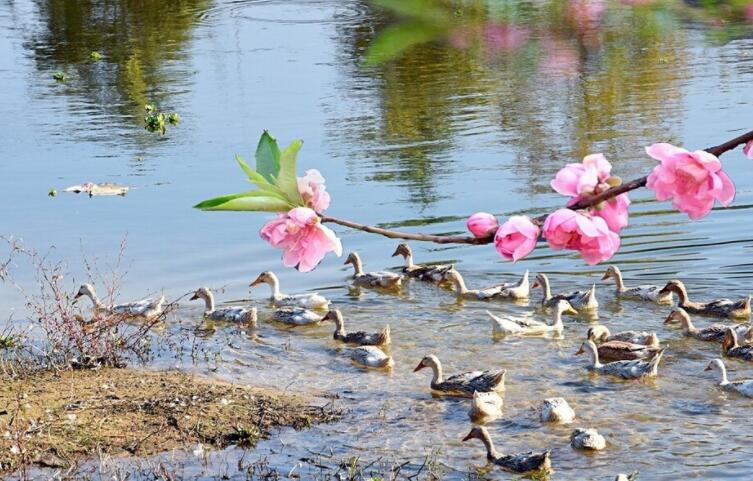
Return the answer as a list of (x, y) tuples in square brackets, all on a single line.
[(55, 419)]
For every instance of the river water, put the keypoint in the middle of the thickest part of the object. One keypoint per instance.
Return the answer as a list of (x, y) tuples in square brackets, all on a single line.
[(417, 143)]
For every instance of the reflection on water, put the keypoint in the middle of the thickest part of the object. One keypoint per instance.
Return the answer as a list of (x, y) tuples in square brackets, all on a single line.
[(443, 129)]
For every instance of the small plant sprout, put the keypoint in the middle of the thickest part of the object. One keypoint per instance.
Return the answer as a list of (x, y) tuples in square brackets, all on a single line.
[(60, 76), (155, 121), (95, 56)]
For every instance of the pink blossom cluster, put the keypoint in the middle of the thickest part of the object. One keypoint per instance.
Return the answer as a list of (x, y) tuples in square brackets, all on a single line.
[(299, 232)]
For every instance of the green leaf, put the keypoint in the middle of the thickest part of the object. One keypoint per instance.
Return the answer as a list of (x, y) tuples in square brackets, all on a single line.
[(267, 157), (422, 10), (258, 201), (255, 178), (286, 180)]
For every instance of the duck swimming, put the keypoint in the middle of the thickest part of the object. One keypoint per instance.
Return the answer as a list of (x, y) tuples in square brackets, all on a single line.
[(425, 272), (518, 463), (360, 338), (518, 290), (556, 410), (744, 387), (383, 279), (464, 384), (623, 350), (587, 439), (232, 314), (641, 293), (717, 308), (601, 334), (731, 347), (578, 299), (511, 326), (146, 309), (296, 316), (306, 301), (485, 406), (625, 369), (714, 332), (371, 356)]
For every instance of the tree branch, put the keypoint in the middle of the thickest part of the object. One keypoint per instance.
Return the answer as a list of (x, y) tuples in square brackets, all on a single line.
[(583, 204)]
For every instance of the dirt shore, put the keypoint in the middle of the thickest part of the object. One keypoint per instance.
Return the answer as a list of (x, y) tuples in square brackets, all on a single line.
[(56, 419)]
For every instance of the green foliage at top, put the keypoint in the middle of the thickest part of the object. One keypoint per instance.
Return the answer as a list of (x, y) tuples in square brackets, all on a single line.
[(274, 177), (158, 121)]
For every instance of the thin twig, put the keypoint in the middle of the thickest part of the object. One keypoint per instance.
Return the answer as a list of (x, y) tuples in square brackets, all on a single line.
[(583, 204)]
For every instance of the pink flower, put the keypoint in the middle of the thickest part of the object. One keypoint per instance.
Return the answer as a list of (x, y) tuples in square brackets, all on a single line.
[(482, 224), (693, 180), (614, 211), (302, 237), (748, 148), (583, 178), (568, 229), (312, 189), (516, 238)]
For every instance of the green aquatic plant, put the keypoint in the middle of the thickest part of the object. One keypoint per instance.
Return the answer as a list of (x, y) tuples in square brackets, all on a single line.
[(155, 121), (95, 56), (60, 76)]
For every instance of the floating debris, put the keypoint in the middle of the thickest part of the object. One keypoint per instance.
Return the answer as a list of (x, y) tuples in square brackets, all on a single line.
[(95, 56), (60, 76), (52, 193), (103, 189)]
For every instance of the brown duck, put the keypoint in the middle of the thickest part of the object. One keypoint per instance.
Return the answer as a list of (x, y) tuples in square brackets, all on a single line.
[(622, 350), (731, 347), (716, 308), (518, 463)]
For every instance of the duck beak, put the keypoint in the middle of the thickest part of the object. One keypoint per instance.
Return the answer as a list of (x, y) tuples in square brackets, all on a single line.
[(347, 261), (605, 276), (708, 368), (571, 310), (419, 367), (193, 297), (396, 253), (468, 436), (580, 351), (256, 282), (669, 319), (535, 284)]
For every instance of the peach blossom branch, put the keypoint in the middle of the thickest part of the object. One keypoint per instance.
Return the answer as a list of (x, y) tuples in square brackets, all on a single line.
[(634, 184)]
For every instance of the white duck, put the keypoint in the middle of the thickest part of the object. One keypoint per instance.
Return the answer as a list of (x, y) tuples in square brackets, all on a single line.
[(588, 439), (578, 299), (296, 316), (371, 356), (636, 369), (146, 309), (741, 387), (306, 301), (485, 406), (556, 410), (512, 326), (641, 293), (514, 290), (383, 279), (230, 314)]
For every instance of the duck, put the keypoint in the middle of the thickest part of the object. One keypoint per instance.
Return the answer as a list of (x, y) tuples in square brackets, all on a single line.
[(383, 279), (146, 309), (627, 477), (587, 439), (425, 272), (637, 369), (485, 406), (623, 350), (578, 299), (231, 314), (718, 308), (371, 356), (307, 301), (464, 384), (520, 290), (601, 334), (714, 332), (731, 347), (512, 326), (296, 316), (360, 338), (556, 410), (518, 463), (641, 293), (500, 291), (744, 387)]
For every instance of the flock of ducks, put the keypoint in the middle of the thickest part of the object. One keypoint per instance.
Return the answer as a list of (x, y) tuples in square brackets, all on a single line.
[(626, 355)]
